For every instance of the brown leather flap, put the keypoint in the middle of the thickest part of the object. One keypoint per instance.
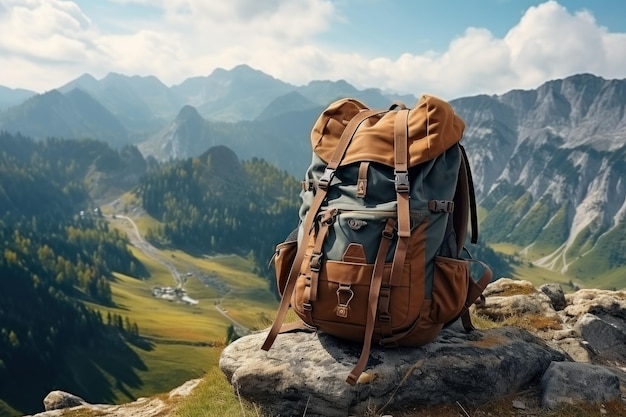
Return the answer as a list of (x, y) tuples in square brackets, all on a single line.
[(433, 128)]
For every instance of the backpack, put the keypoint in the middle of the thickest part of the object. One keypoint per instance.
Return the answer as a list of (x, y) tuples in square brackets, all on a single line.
[(386, 204)]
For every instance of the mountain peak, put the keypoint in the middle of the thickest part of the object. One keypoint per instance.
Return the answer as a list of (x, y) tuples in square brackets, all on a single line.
[(187, 113)]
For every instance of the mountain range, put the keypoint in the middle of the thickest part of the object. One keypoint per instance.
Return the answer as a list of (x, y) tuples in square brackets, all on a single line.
[(550, 167), (549, 164)]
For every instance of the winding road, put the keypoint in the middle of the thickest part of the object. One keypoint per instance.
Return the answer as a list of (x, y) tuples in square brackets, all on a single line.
[(137, 240)]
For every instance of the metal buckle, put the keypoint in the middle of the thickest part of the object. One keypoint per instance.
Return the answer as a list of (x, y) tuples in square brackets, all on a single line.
[(342, 307), (401, 179), (316, 262), (326, 178)]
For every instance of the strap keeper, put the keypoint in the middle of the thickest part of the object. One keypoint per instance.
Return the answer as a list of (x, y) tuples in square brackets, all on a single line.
[(441, 206), (401, 181), (384, 317), (385, 291)]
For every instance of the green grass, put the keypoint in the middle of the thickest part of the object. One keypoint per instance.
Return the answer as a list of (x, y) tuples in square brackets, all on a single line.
[(215, 397), (180, 341)]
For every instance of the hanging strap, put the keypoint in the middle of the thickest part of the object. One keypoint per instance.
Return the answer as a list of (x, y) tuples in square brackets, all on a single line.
[(372, 305), (320, 195), (474, 291)]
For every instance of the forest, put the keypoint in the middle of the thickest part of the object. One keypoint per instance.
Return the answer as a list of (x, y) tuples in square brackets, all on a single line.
[(52, 260), (215, 204)]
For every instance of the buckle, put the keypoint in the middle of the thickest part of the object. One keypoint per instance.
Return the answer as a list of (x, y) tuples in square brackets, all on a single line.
[(441, 206), (316, 262), (401, 179), (326, 178)]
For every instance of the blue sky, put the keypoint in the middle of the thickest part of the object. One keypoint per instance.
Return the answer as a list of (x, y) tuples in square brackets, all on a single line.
[(450, 48)]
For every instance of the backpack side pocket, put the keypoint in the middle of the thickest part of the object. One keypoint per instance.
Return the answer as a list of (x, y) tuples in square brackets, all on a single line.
[(283, 260), (450, 286)]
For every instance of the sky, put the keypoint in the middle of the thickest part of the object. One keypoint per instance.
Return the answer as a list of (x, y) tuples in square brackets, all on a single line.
[(449, 48)]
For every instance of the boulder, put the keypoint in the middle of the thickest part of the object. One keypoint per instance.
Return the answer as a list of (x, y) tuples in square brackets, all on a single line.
[(575, 383), (556, 295), (57, 400), (304, 373)]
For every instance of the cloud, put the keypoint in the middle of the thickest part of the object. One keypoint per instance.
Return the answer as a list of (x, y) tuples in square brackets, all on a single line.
[(547, 43), (45, 43)]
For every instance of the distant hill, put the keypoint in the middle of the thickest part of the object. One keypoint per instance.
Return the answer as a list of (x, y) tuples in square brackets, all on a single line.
[(73, 115), (13, 96), (288, 103)]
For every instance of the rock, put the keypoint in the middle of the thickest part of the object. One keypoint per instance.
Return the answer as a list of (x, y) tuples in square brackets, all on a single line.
[(611, 303), (555, 294), (305, 371), (572, 383), (606, 335), (506, 298), (57, 400)]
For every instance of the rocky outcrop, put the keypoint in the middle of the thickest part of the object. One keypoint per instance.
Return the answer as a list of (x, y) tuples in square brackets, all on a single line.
[(58, 403), (540, 348), (304, 373), (307, 371)]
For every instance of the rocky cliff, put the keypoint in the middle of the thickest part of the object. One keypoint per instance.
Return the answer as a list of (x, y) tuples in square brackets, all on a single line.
[(549, 167)]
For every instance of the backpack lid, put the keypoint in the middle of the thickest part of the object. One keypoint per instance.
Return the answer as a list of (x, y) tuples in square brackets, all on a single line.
[(433, 127)]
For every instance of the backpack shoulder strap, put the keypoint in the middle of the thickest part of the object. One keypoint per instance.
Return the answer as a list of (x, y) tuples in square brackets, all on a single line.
[(402, 192), (324, 183)]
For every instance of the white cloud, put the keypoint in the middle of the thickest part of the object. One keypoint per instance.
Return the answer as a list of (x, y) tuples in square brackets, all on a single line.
[(45, 43), (547, 43)]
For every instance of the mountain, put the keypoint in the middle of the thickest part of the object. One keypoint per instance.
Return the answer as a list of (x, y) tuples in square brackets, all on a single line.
[(72, 115), (281, 139), (143, 105), (239, 94), (140, 103), (549, 167), (13, 96)]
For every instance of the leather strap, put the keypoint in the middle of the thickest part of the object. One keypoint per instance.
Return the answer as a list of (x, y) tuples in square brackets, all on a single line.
[(372, 305), (327, 219), (402, 193), (320, 195)]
